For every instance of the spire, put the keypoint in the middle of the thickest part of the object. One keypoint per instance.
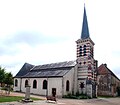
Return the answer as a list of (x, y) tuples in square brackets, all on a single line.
[(85, 29)]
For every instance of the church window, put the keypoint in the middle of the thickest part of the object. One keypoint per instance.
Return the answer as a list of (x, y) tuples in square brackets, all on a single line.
[(84, 54), (26, 83), (80, 52), (16, 82), (34, 84), (84, 46), (80, 47), (45, 84), (67, 85), (85, 49), (80, 63)]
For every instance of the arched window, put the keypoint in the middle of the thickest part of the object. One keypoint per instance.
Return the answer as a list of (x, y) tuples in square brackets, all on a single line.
[(16, 82), (80, 47), (67, 85), (35, 84), (85, 49), (85, 46), (26, 83), (45, 84)]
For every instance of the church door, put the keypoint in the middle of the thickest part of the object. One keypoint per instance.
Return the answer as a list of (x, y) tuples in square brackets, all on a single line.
[(53, 92)]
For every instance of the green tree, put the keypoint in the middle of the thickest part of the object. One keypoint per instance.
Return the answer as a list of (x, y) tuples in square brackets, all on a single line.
[(2, 75), (8, 80)]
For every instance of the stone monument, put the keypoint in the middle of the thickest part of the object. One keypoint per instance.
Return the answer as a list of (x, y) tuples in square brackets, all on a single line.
[(27, 95)]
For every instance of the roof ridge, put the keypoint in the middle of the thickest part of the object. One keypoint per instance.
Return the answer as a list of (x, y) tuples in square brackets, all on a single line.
[(57, 62), (55, 65)]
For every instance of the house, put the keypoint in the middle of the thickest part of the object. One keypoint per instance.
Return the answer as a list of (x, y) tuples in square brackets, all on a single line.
[(107, 81)]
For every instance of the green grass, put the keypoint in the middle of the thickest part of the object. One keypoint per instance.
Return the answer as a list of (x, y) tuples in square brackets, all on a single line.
[(13, 98)]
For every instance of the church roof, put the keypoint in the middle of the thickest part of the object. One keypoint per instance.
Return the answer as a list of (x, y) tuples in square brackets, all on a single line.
[(24, 70), (47, 70), (85, 29), (41, 73), (55, 65)]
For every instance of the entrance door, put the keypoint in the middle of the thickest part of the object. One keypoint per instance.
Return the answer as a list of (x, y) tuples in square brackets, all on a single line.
[(53, 92)]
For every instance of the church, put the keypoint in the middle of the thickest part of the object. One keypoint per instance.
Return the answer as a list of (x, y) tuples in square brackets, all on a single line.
[(62, 78)]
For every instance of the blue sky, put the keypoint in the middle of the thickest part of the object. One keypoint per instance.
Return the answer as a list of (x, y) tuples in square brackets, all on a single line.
[(45, 31)]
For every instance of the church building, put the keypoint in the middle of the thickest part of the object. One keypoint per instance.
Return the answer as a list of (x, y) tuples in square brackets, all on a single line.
[(62, 78)]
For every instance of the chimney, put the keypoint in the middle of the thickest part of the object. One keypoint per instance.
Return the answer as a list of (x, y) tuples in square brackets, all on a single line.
[(105, 64)]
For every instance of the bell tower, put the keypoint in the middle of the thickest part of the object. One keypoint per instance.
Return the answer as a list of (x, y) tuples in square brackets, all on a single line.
[(86, 64)]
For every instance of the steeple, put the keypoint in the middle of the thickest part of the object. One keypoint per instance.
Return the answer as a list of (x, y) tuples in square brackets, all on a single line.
[(85, 29)]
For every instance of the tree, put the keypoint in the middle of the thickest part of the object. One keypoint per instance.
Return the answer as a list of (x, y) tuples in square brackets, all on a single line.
[(8, 80), (2, 75)]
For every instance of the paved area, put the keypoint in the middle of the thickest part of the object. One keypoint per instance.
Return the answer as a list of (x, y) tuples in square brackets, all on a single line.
[(99, 101)]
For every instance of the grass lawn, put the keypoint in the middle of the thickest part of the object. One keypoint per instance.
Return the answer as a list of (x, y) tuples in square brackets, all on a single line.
[(13, 98)]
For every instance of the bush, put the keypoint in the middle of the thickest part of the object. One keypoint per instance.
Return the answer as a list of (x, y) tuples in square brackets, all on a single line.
[(77, 96)]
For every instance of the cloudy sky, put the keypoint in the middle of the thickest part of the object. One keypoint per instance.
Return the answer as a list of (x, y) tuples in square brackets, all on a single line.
[(45, 31)]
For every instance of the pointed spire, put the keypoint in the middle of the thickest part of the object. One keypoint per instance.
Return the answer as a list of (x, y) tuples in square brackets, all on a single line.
[(85, 29)]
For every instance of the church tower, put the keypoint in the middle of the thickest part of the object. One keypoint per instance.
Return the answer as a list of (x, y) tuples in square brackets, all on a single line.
[(86, 64)]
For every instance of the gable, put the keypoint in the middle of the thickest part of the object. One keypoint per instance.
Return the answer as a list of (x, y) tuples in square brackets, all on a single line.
[(24, 70), (102, 70)]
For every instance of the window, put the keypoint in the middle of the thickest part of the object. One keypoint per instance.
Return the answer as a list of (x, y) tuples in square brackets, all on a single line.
[(84, 46), (80, 47), (34, 84), (80, 52), (16, 82), (26, 83), (45, 84), (67, 85), (84, 49), (80, 63), (85, 54)]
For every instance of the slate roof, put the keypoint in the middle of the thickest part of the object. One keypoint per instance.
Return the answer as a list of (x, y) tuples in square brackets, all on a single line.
[(55, 65), (59, 72), (24, 70), (48, 70), (85, 29)]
